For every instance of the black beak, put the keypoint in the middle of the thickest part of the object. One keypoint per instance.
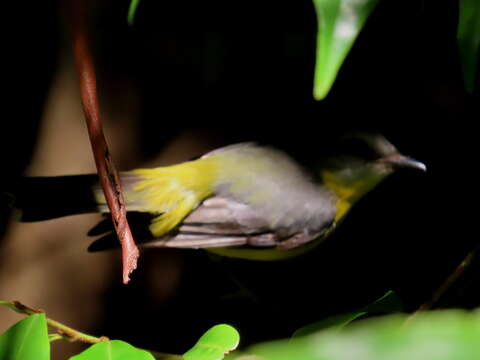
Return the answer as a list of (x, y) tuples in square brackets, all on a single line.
[(400, 161)]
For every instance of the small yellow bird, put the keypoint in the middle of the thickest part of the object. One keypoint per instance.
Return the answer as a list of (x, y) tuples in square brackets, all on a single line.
[(243, 200)]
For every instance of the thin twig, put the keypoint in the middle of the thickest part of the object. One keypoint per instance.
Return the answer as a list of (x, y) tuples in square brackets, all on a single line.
[(109, 178), (449, 281), (67, 333), (55, 337), (63, 330)]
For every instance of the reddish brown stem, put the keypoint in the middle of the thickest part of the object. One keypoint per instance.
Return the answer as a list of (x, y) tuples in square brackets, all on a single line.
[(446, 285), (109, 178), (449, 281)]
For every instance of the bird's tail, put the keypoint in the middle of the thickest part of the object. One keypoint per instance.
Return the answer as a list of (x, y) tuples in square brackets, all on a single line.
[(43, 198)]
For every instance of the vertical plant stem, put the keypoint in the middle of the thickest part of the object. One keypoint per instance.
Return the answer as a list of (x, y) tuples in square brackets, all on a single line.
[(109, 178)]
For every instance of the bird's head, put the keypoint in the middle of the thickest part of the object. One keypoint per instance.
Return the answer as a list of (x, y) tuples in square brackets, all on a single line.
[(363, 162)]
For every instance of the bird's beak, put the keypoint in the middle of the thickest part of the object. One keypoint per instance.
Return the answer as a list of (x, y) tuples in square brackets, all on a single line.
[(398, 160)]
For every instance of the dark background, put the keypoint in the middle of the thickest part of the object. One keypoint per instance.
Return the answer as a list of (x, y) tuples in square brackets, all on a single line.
[(237, 71)]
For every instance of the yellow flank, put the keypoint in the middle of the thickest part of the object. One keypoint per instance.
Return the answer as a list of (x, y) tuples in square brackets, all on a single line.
[(172, 191), (267, 254)]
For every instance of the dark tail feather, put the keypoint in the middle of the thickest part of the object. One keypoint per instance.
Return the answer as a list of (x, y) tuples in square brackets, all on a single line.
[(43, 198), (139, 223)]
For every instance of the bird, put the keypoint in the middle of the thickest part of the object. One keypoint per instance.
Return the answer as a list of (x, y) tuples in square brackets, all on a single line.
[(245, 200)]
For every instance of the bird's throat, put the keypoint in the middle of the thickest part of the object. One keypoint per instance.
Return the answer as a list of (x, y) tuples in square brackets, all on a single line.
[(349, 192)]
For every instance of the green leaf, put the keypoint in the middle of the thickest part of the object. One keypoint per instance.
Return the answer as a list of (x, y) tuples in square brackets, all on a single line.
[(214, 344), (113, 350), (26, 340), (435, 335), (337, 321), (339, 23), (131, 11), (388, 303), (468, 37)]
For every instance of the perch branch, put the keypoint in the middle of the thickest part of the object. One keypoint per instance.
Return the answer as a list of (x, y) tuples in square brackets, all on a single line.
[(108, 175)]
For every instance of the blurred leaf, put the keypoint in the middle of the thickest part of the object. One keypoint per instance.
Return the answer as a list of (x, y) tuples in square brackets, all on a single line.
[(435, 335), (214, 344), (388, 303), (131, 11), (113, 350), (26, 340), (468, 37), (337, 321), (339, 23)]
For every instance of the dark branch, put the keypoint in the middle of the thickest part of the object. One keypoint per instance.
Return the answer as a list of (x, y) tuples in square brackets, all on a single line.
[(108, 175)]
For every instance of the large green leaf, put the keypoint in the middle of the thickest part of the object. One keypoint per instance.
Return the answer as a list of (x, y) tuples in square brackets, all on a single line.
[(339, 23), (26, 340), (436, 335), (113, 350), (468, 37), (214, 344)]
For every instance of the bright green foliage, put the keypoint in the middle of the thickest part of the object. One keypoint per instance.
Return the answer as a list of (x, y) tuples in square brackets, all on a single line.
[(131, 11), (339, 23), (113, 350), (26, 340), (437, 335), (468, 37), (214, 344)]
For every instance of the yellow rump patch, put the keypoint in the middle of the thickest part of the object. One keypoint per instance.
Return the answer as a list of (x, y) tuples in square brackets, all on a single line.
[(172, 191)]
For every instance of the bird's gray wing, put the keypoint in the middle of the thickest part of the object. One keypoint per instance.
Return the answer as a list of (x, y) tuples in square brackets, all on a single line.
[(217, 222)]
